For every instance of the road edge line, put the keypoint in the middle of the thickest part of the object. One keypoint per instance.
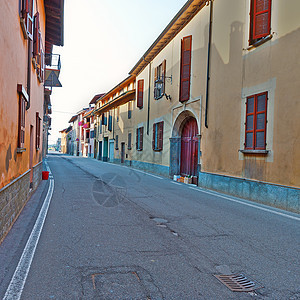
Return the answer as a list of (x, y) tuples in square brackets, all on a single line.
[(17, 283)]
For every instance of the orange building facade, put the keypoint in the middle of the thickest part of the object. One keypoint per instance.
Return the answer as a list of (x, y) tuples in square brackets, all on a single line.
[(26, 41)]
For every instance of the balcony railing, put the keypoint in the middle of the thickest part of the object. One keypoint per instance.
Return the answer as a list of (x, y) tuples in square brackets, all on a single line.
[(52, 61)]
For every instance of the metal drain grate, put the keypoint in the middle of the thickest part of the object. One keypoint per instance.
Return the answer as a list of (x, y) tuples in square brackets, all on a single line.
[(238, 283)]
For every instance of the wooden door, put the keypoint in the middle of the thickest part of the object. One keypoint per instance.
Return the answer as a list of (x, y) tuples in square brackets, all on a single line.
[(189, 148)]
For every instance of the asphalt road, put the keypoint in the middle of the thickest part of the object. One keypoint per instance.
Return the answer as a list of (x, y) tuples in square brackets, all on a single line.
[(112, 232)]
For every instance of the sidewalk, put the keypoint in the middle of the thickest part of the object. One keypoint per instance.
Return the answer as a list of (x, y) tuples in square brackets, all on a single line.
[(13, 244)]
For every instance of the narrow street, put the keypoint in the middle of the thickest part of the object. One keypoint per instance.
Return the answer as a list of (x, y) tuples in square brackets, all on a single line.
[(113, 232)]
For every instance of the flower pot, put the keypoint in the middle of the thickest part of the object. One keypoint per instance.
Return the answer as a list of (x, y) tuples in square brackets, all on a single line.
[(45, 175)]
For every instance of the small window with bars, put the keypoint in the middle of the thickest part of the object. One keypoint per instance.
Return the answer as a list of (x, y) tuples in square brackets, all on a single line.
[(159, 80)]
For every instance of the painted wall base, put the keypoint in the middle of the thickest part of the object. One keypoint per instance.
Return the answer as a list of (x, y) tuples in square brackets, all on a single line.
[(287, 198), (144, 166)]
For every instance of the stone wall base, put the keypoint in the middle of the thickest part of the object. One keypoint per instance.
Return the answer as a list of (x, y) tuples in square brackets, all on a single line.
[(283, 197), (14, 196)]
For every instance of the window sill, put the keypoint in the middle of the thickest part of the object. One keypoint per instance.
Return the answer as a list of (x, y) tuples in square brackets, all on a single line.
[(37, 149), (20, 150), (260, 42), (263, 152), (157, 150), (139, 149)]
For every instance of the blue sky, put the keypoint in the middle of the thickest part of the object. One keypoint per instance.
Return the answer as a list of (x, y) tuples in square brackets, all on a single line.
[(103, 39)]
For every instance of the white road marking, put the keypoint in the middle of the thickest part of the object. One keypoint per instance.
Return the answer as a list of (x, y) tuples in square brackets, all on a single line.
[(247, 204), (17, 283), (145, 173), (175, 182)]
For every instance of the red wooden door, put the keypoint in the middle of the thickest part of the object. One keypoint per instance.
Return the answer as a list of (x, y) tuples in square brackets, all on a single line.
[(189, 148)]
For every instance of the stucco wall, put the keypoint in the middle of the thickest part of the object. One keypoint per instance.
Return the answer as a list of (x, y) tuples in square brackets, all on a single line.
[(13, 62)]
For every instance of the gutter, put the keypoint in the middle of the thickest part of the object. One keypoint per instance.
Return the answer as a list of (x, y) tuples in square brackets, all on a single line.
[(208, 61)]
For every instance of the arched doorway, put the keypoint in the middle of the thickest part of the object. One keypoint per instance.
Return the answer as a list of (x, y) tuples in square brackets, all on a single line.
[(189, 148)]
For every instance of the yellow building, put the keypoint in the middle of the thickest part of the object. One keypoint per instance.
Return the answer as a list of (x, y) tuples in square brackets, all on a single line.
[(217, 99), (114, 122)]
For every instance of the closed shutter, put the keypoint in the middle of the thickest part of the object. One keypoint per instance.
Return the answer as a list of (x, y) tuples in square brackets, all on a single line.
[(153, 141), (160, 135), (38, 130), (129, 141), (250, 115), (140, 93), (22, 109), (261, 18), (185, 74), (260, 121), (164, 75), (117, 142), (110, 122), (256, 122), (36, 35), (141, 137)]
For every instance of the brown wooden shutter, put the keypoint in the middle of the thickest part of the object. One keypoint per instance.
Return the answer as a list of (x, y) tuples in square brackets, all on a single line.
[(38, 130), (185, 74), (21, 133), (36, 35), (28, 16), (155, 87), (260, 121), (137, 139), (160, 135), (140, 93), (141, 137), (261, 18), (164, 75), (153, 141)]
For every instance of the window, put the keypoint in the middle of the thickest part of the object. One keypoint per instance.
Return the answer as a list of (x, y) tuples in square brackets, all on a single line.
[(185, 68), (23, 99), (110, 122), (129, 110), (117, 142), (140, 94), (92, 134), (157, 142), (38, 131), (38, 52), (139, 138), (256, 121), (118, 113), (129, 141), (260, 20), (159, 80), (26, 14)]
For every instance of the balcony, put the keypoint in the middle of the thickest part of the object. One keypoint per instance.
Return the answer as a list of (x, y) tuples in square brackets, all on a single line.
[(52, 71)]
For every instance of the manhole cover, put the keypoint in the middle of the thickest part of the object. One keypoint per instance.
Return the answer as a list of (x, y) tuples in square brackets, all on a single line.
[(238, 283)]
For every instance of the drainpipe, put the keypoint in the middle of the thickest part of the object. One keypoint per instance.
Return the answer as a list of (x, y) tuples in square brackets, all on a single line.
[(28, 73), (208, 61), (148, 112)]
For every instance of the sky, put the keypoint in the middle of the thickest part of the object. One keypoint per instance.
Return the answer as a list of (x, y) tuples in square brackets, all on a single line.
[(103, 40)]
